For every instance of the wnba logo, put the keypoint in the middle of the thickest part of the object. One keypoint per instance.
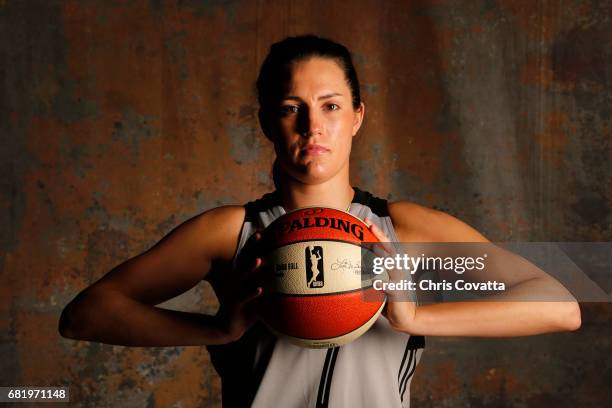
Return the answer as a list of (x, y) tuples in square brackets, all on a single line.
[(314, 266)]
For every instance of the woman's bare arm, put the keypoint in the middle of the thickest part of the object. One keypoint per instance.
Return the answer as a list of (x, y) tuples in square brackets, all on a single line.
[(501, 316), (120, 307)]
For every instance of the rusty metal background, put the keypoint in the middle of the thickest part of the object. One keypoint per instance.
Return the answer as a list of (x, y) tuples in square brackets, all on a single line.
[(121, 119)]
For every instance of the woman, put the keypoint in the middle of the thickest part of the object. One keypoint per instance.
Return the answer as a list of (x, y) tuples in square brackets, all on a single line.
[(310, 109)]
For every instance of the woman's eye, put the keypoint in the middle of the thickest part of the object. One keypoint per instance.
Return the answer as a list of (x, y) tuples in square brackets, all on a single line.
[(333, 106), (288, 109)]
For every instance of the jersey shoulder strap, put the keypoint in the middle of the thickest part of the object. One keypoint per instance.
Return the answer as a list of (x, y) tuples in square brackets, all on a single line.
[(377, 205), (262, 205)]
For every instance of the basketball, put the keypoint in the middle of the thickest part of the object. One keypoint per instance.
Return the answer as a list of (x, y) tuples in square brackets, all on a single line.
[(315, 297)]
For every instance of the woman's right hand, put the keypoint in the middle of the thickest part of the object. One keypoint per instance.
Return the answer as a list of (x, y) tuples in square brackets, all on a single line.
[(236, 317), (237, 312)]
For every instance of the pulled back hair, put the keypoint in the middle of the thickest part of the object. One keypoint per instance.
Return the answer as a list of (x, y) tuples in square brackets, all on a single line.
[(276, 71), (276, 68)]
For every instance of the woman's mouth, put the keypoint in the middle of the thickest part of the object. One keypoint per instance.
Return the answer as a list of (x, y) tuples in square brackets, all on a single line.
[(314, 149)]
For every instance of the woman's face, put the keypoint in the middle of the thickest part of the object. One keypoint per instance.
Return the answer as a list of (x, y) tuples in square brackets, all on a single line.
[(314, 124)]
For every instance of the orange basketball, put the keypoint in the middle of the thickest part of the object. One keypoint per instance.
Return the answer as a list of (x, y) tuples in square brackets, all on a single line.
[(316, 295)]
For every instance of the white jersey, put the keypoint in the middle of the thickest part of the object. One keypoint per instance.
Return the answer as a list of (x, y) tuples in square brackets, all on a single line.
[(262, 370)]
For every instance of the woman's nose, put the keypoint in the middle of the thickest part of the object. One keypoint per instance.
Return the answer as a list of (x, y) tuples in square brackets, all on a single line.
[(310, 123)]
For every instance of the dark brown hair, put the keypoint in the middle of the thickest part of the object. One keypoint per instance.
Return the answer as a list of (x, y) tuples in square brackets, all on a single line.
[(276, 68)]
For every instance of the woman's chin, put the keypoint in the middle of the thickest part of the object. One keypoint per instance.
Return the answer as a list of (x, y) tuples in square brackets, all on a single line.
[(313, 170), (315, 174)]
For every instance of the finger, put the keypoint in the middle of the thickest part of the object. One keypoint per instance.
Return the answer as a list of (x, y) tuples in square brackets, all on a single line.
[(261, 274), (251, 272), (375, 248), (251, 249), (384, 311), (379, 250), (380, 235), (251, 296), (245, 295), (376, 231)]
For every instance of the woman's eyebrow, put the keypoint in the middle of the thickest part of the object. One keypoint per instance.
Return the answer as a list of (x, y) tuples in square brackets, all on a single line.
[(331, 95), (326, 96)]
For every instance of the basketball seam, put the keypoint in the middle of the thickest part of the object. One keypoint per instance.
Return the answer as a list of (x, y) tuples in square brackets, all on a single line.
[(320, 239), (319, 294)]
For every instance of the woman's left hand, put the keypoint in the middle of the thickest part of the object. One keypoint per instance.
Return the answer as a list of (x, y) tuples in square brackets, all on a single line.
[(400, 310)]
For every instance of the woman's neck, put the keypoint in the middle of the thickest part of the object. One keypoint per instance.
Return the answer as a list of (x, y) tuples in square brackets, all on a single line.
[(336, 193)]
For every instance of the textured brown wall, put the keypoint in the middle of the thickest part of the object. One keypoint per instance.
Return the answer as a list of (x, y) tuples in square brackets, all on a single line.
[(121, 119)]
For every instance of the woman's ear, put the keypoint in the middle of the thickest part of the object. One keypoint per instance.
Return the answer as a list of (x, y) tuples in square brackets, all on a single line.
[(359, 113), (265, 124)]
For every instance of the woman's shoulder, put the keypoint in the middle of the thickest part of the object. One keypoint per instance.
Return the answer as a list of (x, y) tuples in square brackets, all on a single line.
[(417, 223), (223, 214), (218, 228)]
